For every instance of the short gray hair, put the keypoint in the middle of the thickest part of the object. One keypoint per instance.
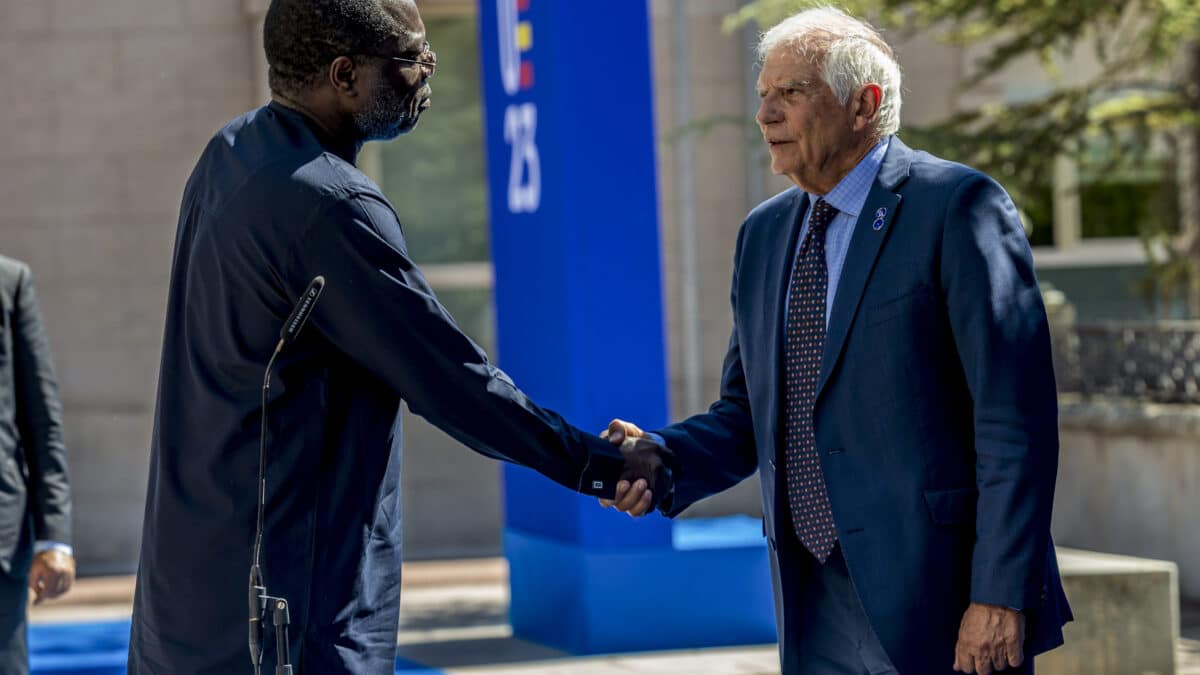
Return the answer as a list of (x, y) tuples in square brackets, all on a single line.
[(850, 52)]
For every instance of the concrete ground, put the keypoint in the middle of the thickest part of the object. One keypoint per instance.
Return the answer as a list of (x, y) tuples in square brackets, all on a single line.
[(454, 620)]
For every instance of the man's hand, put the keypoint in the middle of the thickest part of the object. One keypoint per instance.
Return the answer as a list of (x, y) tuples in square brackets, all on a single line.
[(51, 575), (634, 495), (990, 638)]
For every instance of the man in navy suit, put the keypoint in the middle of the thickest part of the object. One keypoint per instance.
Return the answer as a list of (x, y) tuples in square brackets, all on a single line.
[(889, 376)]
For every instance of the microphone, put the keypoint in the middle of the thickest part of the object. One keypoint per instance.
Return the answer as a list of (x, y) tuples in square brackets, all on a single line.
[(257, 591), (300, 313)]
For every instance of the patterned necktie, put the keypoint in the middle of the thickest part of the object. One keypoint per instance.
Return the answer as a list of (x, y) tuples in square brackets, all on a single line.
[(804, 345)]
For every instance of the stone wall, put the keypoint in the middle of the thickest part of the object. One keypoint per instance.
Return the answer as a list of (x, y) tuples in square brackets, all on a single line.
[(108, 105), (1129, 482)]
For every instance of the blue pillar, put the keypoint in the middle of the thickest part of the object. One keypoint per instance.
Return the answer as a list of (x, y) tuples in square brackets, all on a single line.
[(575, 242)]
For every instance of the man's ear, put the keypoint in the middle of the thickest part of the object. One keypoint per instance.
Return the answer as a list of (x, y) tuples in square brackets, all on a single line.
[(343, 76), (866, 100)]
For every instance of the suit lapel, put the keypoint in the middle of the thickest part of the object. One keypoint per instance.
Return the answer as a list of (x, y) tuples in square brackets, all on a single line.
[(865, 245), (778, 270)]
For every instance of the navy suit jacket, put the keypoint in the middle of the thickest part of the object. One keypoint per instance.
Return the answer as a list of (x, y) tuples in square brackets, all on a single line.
[(936, 411)]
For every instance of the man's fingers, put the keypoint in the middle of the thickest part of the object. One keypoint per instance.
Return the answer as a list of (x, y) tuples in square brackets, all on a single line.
[(619, 430), (643, 505), (632, 497), (622, 488), (59, 583), (626, 501), (37, 584), (1016, 655), (616, 432), (963, 663), (50, 589), (999, 659), (50, 575)]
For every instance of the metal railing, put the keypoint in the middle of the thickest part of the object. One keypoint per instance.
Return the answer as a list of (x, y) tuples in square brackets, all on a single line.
[(1150, 361)]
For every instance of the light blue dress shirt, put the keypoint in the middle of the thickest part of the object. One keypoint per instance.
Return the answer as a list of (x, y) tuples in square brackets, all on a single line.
[(848, 197)]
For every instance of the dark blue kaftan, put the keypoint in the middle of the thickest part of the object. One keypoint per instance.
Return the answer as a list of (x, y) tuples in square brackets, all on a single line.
[(268, 207)]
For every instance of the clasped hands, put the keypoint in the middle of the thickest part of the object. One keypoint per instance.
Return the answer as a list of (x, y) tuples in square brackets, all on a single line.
[(644, 473), (990, 638)]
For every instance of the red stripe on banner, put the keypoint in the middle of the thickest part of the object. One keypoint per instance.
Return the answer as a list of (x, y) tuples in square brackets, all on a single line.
[(527, 74), (522, 5)]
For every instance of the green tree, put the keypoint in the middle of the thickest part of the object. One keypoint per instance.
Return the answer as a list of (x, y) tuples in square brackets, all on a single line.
[(1147, 85)]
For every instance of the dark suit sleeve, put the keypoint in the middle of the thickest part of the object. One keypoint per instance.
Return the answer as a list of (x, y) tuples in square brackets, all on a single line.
[(39, 418), (715, 450), (378, 309), (1003, 341)]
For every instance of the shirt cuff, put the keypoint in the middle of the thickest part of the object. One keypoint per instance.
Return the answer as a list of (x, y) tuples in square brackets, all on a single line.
[(43, 546), (665, 501), (601, 473)]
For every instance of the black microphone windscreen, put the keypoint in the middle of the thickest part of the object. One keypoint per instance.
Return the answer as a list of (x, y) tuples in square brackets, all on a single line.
[(304, 307)]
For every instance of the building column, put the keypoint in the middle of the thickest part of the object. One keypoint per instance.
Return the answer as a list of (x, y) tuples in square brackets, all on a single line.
[(256, 11), (1068, 223)]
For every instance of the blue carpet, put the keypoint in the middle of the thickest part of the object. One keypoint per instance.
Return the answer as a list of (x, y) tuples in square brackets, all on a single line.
[(100, 649), (692, 534), (78, 648)]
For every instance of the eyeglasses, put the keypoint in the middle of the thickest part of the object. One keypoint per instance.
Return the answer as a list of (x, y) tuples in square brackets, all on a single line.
[(427, 60)]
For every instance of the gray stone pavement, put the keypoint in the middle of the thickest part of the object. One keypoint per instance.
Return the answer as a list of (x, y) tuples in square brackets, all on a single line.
[(454, 619)]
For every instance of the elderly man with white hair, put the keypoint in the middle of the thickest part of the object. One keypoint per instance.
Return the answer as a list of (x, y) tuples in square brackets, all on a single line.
[(889, 376)]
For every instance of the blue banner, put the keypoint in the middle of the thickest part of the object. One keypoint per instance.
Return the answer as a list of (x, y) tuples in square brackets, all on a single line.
[(574, 231)]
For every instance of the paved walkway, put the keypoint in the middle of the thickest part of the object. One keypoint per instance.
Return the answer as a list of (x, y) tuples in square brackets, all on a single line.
[(454, 620)]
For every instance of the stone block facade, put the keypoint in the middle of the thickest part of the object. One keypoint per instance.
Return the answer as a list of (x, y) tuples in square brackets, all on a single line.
[(111, 102)]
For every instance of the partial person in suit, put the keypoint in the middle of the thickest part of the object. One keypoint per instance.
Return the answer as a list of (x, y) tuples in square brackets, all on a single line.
[(35, 501), (889, 377), (274, 201)]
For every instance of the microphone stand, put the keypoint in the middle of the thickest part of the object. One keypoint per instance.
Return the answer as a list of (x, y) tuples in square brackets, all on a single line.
[(257, 597)]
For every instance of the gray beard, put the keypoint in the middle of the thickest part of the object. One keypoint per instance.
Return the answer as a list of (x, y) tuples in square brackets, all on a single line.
[(384, 118)]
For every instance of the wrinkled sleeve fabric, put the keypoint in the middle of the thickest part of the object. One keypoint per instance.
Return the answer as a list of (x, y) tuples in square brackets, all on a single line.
[(714, 450), (39, 418), (1003, 341), (378, 309)]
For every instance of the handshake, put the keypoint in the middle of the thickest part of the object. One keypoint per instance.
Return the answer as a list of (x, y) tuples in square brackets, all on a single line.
[(646, 479)]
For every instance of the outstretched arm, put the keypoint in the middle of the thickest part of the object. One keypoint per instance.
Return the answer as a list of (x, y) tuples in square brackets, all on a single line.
[(710, 452), (378, 309)]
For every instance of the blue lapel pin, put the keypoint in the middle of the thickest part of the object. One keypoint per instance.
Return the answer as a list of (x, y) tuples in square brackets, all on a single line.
[(879, 216)]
